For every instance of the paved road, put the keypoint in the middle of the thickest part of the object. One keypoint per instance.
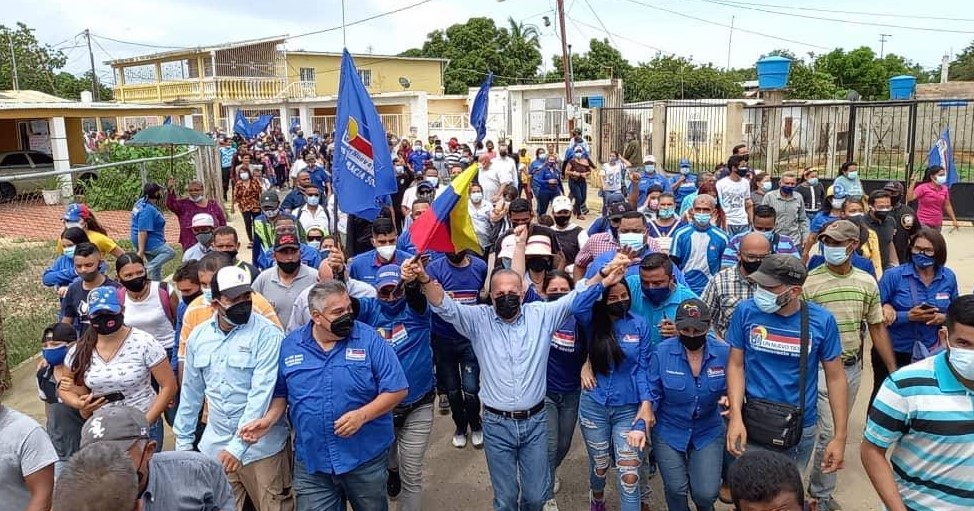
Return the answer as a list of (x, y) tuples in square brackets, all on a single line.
[(457, 479)]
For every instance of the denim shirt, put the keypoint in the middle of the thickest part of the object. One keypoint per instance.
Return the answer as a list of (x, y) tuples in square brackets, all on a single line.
[(627, 382), (902, 288), (687, 414), (235, 372)]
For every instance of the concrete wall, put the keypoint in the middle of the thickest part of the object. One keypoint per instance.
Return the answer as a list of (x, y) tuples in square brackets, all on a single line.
[(423, 75), (949, 90)]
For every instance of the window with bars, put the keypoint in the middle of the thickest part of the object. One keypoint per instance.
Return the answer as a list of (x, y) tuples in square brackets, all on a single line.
[(366, 76), (306, 74), (696, 132)]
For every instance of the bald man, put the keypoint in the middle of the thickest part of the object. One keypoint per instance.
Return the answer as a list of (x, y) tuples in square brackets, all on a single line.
[(731, 285)]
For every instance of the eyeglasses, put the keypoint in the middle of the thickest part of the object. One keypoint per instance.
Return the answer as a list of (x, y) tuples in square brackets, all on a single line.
[(751, 258), (929, 252)]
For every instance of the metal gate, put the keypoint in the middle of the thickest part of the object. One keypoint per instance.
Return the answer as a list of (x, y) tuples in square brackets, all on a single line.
[(695, 130)]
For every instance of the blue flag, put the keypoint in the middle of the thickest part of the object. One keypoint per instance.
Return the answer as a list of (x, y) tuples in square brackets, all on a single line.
[(942, 154), (362, 163), (478, 113), (240, 124)]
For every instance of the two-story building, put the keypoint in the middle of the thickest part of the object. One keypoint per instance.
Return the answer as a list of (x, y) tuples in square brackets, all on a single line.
[(261, 76)]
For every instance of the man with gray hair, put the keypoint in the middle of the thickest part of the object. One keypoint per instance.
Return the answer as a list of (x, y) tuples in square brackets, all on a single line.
[(790, 219), (341, 381), (697, 247), (166, 481), (97, 478)]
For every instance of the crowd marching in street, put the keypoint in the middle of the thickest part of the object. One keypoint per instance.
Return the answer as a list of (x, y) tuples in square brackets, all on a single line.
[(710, 329)]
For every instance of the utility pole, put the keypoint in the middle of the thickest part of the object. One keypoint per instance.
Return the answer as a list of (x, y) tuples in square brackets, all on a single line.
[(730, 39), (882, 44), (13, 62), (566, 64), (94, 77)]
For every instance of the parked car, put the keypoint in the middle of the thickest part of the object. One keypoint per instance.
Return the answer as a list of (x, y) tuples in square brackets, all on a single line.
[(15, 163)]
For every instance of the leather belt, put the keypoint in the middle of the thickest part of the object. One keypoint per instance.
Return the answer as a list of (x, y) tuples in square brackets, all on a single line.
[(407, 409), (517, 415)]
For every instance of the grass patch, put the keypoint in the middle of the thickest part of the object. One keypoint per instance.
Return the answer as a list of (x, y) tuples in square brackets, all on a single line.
[(25, 304)]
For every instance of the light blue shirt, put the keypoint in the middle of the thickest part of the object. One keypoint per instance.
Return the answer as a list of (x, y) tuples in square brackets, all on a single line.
[(196, 252), (236, 373), (655, 314), (513, 356)]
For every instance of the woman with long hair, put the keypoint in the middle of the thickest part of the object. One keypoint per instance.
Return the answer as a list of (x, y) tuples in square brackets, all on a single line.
[(79, 215), (149, 306), (933, 198), (114, 364), (614, 407)]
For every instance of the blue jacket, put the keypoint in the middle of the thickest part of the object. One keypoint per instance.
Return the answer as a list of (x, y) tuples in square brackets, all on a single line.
[(417, 160), (61, 272), (539, 180)]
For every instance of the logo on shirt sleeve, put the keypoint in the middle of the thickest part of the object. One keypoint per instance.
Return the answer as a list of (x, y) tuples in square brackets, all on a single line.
[(464, 297), (354, 354), (563, 340)]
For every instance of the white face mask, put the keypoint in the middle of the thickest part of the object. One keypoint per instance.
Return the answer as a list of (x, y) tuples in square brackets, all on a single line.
[(477, 197), (386, 252), (962, 360)]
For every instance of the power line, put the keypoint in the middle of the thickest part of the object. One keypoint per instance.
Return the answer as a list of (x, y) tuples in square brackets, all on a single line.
[(363, 20), (719, 24), (634, 41), (855, 13), (836, 20), (597, 18), (160, 47)]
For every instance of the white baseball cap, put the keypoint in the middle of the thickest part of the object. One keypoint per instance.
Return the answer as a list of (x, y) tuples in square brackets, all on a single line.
[(561, 203), (649, 159), (231, 281), (507, 246), (203, 220)]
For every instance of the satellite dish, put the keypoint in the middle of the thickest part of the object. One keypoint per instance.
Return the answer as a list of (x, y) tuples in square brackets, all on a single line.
[(404, 82), (852, 96)]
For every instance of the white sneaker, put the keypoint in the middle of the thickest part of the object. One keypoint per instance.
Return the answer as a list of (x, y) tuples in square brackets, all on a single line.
[(551, 505), (459, 441), (477, 439), (555, 488)]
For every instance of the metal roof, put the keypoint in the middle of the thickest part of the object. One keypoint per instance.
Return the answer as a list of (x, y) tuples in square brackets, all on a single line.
[(195, 50)]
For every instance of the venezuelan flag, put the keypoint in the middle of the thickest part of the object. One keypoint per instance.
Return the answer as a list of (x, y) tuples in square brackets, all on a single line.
[(447, 227)]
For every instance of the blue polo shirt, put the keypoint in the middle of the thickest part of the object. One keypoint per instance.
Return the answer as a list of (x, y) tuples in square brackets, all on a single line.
[(365, 265), (408, 332), (146, 217), (463, 285), (687, 414), (654, 314), (566, 358), (688, 186), (606, 257), (293, 200), (772, 347), (648, 180), (600, 224), (902, 288), (322, 386)]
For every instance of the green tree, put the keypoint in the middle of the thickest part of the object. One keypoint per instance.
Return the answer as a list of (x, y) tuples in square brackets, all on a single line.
[(36, 62), (479, 46), (69, 86), (601, 61), (962, 67), (862, 71), (670, 77), (805, 81)]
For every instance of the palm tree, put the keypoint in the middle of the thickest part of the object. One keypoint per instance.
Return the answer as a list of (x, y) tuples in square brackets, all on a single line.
[(523, 42)]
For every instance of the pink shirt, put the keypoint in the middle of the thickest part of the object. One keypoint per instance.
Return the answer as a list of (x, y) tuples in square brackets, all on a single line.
[(930, 203)]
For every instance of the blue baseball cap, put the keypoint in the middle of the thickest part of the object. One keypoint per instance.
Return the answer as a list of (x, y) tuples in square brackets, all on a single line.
[(684, 162), (76, 212), (388, 275), (102, 299)]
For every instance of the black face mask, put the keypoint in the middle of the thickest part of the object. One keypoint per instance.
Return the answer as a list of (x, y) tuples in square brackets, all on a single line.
[(693, 342), (289, 267), (507, 306), (89, 276), (239, 313), (135, 285), (554, 296), (188, 299), (743, 171), (562, 221), (750, 267), (232, 254), (881, 215), (618, 309), (456, 259), (342, 325), (107, 324), (746, 157), (537, 264)]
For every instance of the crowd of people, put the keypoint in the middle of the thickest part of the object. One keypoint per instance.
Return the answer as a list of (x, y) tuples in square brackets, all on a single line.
[(709, 327)]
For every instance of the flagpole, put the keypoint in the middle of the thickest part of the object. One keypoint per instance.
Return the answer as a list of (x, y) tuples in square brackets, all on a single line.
[(344, 41)]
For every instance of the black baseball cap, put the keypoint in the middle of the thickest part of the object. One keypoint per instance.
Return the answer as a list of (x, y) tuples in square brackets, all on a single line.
[(778, 269), (616, 210), (61, 332), (269, 199), (693, 314)]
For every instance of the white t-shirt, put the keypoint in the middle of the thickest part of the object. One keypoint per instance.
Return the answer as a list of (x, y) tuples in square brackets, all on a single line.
[(298, 166), (25, 449), (480, 217), (149, 316), (409, 196), (506, 169), (128, 372), (733, 197), (319, 218), (488, 179), (611, 177)]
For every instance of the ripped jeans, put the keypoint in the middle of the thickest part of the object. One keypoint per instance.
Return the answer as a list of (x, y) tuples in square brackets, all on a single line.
[(604, 429)]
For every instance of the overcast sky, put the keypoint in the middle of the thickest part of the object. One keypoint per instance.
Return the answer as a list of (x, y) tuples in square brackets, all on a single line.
[(638, 27)]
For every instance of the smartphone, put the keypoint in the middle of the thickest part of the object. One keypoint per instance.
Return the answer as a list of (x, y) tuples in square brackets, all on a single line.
[(111, 398), (927, 306)]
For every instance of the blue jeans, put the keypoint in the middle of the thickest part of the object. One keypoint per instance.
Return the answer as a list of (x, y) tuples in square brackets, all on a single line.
[(157, 433), (517, 461), (800, 453), (604, 429), (694, 474), (579, 189), (562, 412), (458, 373), (544, 200), (155, 259), (364, 488)]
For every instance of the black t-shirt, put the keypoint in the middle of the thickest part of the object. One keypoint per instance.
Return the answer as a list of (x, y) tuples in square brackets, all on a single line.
[(905, 220), (884, 231), (75, 304)]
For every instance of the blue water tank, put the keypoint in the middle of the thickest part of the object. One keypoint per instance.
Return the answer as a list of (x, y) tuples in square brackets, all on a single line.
[(902, 87), (773, 72)]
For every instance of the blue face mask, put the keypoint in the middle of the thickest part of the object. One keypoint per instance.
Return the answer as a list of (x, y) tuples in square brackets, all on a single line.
[(769, 235), (314, 200), (393, 307), (207, 295), (69, 251), (657, 295), (702, 219), (666, 212), (634, 240), (55, 356), (650, 169), (835, 255), (922, 261), (767, 301)]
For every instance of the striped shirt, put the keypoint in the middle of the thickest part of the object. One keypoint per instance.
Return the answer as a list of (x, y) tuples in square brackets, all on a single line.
[(784, 245), (852, 298), (722, 295), (927, 413)]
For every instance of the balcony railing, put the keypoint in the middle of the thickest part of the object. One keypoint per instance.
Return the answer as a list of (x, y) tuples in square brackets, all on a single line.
[(395, 123), (219, 88)]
